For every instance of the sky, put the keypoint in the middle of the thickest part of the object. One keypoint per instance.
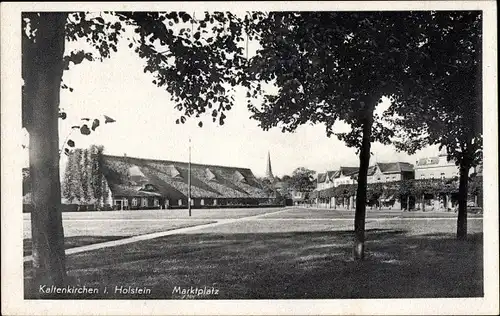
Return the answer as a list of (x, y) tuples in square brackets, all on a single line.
[(145, 125)]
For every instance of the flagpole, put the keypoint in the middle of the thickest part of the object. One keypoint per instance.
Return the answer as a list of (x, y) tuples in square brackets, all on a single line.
[(189, 179)]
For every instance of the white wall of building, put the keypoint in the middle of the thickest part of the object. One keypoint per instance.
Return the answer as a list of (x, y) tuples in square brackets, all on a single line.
[(440, 170)]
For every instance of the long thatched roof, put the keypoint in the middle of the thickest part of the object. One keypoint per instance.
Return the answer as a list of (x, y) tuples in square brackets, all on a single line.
[(128, 176)]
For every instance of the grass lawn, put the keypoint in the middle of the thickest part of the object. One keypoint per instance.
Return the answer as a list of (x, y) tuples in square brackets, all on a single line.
[(402, 262)]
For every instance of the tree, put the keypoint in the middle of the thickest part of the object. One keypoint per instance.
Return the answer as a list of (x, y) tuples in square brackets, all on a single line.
[(42, 73), (336, 66), (450, 112), (98, 182), (86, 177), (196, 64), (67, 183), (302, 180)]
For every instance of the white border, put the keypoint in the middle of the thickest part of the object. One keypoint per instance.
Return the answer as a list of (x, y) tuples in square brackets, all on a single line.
[(12, 270)]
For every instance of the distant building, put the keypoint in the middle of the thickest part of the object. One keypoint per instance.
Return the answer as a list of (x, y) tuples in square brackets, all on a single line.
[(324, 180), (392, 171), (331, 179), (436, 167), (145, 183), (345, 175)]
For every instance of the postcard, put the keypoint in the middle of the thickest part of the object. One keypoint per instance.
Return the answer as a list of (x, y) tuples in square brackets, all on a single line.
[(249, 158)]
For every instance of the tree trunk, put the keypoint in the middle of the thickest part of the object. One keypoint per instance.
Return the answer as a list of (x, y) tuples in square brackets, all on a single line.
[(408, 203), (462, 202), (42, 85), (364, 163)]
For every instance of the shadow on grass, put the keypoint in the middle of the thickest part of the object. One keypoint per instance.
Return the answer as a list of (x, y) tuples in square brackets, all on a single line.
[(294, 265)]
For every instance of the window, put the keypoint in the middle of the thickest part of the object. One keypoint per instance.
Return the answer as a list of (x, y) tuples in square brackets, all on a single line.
[(442, 175), (422, 176), (215, 201), (125, 202), (180, 202), (202, 202), (157, 202), (378, 178), (144, 202), (134, 202)]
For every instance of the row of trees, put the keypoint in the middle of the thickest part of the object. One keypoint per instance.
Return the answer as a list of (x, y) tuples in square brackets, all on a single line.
[(83, 182), (415, 188), (327, 66)]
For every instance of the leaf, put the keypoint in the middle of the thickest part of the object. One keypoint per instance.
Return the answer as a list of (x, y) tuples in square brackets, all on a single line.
[(62, 115), (200, 124), (185, 17), (183, 119), (75, 127), (66, 151), (95, 124), (108, 119), (71, 143), (221, 119), (85, 119), (85, 130), (70, 89), (197, 35)]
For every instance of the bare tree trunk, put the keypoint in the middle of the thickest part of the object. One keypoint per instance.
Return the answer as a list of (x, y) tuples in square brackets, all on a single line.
[(42, 86), (364, 162), (462, 202)]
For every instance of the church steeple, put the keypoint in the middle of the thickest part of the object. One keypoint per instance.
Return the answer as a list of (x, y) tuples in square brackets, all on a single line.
[(269, 170)]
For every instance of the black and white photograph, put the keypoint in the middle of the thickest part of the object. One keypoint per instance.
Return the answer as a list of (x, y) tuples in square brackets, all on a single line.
[(255, 157)]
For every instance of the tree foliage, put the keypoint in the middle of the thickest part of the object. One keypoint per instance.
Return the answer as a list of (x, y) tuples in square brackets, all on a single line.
[(198, 60), (331, 66), (447, 105), (302, 180)]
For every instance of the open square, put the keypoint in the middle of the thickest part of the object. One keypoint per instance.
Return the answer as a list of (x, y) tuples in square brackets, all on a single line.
[(278, 253)]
